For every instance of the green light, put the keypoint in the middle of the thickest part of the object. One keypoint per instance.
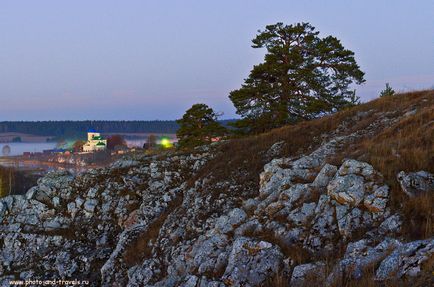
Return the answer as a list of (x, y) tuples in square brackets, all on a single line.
[(165, 143)]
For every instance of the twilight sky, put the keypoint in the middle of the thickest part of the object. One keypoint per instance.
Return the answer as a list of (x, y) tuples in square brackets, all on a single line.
[(145, 60)]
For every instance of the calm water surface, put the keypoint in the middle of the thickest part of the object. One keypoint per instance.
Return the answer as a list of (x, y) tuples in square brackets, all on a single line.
[(19, 148)]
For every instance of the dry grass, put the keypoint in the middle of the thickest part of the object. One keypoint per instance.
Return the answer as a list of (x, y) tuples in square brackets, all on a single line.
[(419, 215), (407, 145), (240, 160), (139, 248), (278, 280), (368, 280), (245, 156)]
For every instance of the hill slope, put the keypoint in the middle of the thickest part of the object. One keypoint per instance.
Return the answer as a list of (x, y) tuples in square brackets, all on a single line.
[(335, 201)]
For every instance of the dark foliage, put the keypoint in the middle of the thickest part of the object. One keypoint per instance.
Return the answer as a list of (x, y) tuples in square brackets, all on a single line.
[(388, 91), (78, 145), (13, 181), (303, 76), (115, 141), (77, 129), (151, 142), (198, 126)]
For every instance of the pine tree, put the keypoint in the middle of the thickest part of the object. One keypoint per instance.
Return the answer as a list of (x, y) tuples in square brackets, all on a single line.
[(198, 126), (388, 91), (303, 76)]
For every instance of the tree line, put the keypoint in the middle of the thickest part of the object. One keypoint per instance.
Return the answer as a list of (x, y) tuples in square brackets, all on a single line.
[(78, 129)]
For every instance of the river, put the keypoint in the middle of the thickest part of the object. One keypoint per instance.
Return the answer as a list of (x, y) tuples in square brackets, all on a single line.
[(17, 175), (19, 148)]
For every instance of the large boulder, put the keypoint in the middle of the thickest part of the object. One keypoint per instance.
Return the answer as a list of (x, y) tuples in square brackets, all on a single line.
[(252, 262), (359, 256), (391, 225), (309, 272), (276, 149), (324, 225), (210, 255), (324, 176), (414, 183), (303, 214), (347, 189), (348, 219), (351, 166), (227, 223), (407, 260), (114, 270), (377, 201)]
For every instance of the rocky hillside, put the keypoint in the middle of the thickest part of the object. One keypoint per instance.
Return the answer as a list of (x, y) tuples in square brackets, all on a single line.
[(346, 200)]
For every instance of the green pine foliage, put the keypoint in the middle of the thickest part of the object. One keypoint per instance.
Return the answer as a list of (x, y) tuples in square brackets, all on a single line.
[(198, 126), (303, 76), (388, 91)]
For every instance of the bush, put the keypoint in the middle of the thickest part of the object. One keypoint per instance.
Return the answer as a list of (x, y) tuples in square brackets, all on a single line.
[(388, 91), (198, 126)]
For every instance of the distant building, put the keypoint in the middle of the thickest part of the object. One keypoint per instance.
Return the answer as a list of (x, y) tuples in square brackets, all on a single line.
[(95, 142)]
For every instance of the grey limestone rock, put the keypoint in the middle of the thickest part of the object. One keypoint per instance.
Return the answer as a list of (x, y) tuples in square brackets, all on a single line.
[(351, 166), (303, 214), (392, 224), (407, 260), (228, 223), (310, 271), (324, 176), (210, 255), (275, 149), (414, 183), (347, 189), (143, 222), (358, 256), (251, 262)]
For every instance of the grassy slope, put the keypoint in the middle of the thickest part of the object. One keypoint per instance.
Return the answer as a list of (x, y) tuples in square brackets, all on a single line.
[(407, 145)]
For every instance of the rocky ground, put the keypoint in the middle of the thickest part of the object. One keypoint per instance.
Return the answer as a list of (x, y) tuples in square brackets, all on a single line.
[(151, 221)]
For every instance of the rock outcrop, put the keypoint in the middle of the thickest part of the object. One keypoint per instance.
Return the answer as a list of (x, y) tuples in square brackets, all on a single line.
[(151, 221), (414, 183)]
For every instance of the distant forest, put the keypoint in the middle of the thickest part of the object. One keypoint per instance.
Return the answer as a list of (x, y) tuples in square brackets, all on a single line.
[(77, 129)]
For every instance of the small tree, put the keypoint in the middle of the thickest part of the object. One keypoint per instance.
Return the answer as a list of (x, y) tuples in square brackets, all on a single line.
[(151, 142), (114, 141), (7, 178), (388, 91), (198, 126), (78, 145), (3, 191)]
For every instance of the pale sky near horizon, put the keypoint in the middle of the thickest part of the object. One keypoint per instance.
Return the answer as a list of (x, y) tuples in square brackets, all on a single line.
[(146, 60)]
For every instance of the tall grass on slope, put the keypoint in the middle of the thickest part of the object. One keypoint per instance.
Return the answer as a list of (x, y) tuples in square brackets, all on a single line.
[(247, 153), (407, 146)]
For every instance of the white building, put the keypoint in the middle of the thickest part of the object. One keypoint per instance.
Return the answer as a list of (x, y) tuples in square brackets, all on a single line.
[(95, 142)]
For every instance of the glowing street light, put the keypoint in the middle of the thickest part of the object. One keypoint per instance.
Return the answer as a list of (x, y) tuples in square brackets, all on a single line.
[(166, 143)]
